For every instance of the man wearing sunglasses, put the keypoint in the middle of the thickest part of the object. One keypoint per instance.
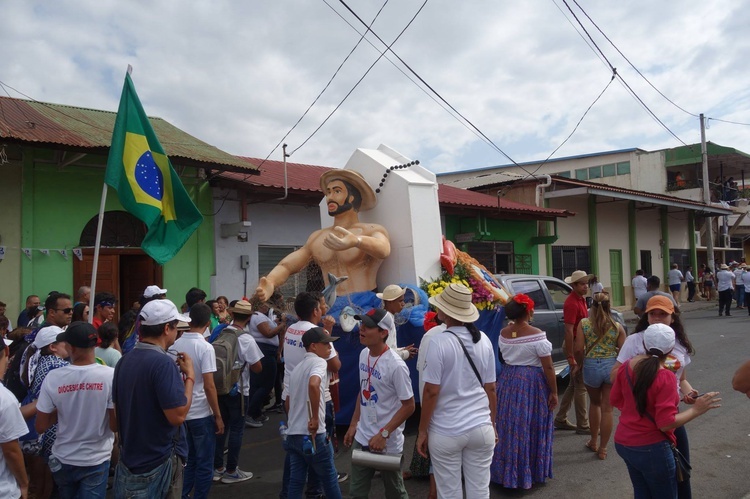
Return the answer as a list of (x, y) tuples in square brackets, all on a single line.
[(151, 403)]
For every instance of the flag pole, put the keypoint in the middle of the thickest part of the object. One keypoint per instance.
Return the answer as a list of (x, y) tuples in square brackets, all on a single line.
[(97, 245)]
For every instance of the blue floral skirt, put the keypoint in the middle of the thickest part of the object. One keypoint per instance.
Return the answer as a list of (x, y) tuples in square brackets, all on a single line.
[(523, 454)]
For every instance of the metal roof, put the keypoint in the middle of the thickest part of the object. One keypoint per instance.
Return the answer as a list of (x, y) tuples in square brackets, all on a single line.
[(34, 122), (306, 178)]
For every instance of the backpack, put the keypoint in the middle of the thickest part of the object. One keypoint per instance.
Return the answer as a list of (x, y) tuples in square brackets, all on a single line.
[(228, 369)]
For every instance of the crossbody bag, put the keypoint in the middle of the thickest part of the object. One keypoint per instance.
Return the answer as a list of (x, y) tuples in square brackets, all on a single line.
[(468, 357)]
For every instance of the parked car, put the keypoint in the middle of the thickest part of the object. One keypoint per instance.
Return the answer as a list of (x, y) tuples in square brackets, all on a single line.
[(549, 294)]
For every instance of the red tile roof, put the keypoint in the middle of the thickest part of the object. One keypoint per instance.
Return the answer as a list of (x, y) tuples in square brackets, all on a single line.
[(306, 178)]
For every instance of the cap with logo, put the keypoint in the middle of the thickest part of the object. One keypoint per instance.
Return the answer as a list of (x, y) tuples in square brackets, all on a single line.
[(377, 317), (80, 335), (316, 335)]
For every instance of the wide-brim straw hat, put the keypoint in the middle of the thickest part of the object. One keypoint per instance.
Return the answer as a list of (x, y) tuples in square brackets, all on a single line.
[(391, 292), (242, 307), (578, 275), (724, 266), (455, 302), (357, 180)]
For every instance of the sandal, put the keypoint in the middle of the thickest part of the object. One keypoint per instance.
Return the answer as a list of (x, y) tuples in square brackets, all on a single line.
[(602, 454), (592, 447)]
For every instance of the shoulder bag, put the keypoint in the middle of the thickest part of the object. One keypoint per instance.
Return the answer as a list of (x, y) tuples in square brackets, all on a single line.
[(466, 352)]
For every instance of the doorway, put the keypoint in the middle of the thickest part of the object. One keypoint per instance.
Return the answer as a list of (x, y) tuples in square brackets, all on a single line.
[(615, 276)]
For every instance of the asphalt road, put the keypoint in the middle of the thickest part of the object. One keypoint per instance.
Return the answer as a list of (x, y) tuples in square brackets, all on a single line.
[(719, 440)]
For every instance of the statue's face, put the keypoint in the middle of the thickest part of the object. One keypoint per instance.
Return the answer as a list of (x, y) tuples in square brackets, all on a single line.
[(338, 198)]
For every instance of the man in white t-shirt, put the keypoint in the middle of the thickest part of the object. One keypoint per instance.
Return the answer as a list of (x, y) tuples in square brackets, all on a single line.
[(307, 308), (386, 400), (203, 420), (725, 287), (639, 284), (14, 482), (81, 394), (393, 303), (307, 444), (230, 404), (745, 281), (739, 292)]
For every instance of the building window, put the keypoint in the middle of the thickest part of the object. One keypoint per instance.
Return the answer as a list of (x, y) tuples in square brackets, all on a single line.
[(496, 256), (568, 259), (565, 174), (646, 262), (623, 168), (680, 257), (582, 174), (609, 170), (305, 280), (595, 172)]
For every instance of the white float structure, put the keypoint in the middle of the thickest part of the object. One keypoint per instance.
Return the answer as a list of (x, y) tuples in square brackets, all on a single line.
[(407, 207)]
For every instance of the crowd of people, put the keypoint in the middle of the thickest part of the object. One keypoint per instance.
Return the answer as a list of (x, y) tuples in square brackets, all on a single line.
[(160, 401)]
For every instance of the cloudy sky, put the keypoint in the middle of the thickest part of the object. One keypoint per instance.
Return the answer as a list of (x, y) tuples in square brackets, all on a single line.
[(239, 75)]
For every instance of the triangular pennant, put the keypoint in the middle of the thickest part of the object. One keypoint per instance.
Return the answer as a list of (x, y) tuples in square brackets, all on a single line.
[(44, 252), (2, 252), (27, 252), (64, 253), (78, 253)]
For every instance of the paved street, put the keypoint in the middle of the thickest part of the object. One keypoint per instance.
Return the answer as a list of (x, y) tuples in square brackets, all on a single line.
[(719, 440)]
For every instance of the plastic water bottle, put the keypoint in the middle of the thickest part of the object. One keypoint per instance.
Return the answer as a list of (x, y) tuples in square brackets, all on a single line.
[(307, 446), (283, 431), (54, 464)]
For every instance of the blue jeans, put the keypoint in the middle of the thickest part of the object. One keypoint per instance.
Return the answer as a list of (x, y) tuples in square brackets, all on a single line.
[(313, 484), (201, 437), (652, 470), (321, 463), (739, 294), (154, 483), (82, 481), (234, 426), (262, 383), (684, 491)]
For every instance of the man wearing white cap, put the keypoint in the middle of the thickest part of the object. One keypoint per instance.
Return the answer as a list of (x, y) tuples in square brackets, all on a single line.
[(154, 292), (393, 303), (152, 401), (574, 310)]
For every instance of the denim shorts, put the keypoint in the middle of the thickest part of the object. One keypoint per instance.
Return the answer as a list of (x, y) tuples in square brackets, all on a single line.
[(675, 287), (596, 371)]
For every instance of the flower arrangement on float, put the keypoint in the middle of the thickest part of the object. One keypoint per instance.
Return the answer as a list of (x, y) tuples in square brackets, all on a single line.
[(459, 267)]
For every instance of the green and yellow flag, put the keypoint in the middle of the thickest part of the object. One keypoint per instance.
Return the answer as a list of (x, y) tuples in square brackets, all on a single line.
[(146, 183)]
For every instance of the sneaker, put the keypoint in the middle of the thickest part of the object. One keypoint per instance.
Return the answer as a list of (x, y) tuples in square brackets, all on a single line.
[(218, 474), (263, 418), (342, 477), (278, 408), (253, 423), (236, 477)]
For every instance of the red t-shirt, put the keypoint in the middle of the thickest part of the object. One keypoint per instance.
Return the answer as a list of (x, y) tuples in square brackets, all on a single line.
[(633, 429), (574, 309), (96, 322)]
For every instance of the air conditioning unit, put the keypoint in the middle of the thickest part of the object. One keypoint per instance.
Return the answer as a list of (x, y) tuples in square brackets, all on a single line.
[(697, 235), (726, 241)]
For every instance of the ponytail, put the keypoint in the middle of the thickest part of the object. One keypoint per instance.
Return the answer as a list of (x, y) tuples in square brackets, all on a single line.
[(645, 373), (30, 352), (474, 330)]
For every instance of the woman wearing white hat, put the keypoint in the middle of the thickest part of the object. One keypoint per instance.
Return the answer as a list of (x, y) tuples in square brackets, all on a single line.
[(459, 399), (646, 395)]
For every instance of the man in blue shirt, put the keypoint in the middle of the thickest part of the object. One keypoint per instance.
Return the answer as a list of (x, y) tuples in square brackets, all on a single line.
[(151, 403)]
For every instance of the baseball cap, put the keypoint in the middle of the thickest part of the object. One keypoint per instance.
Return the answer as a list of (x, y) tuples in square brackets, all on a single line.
[(377, 317), (316, 335), (659, 302), (80, 335), (158, 312), (46, 336), (152, 291), (660, 337)]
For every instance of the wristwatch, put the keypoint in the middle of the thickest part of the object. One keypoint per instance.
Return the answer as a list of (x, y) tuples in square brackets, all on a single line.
[(385, 433)]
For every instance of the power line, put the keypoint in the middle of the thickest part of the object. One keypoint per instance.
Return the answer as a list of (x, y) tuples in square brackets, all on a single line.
[(362, 37), (631, 64), (728, 121), (388, 47)]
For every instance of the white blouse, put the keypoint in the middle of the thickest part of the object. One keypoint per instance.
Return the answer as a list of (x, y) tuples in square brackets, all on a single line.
[(525, 350)]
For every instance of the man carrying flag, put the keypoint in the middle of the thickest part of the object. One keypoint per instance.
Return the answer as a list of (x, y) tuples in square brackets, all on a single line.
[(146, 183)]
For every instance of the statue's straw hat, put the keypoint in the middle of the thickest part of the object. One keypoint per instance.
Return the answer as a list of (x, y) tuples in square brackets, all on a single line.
[(357, 180)]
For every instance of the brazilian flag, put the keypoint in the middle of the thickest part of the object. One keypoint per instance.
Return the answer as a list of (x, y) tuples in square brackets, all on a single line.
[(146, 183)]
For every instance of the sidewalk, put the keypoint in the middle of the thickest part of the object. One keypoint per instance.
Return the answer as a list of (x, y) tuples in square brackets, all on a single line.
[(685, 306)]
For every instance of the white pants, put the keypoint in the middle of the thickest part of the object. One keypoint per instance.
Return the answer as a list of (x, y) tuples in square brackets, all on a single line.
[(471, 452)]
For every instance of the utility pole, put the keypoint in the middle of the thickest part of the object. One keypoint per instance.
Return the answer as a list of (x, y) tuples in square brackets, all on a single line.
[(707, 197)]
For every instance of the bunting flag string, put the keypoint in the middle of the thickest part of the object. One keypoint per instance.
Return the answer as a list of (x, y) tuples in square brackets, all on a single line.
[(64, 252)]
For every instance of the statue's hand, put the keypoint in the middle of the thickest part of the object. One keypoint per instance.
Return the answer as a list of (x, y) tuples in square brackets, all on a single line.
[(264, 289), (340, 239)]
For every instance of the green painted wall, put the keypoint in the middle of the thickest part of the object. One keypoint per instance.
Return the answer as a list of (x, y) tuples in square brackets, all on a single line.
[(56, 205), (519, 232), (10, 237)]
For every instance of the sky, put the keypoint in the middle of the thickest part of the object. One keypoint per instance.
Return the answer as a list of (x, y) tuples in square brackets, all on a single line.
[(239, 75)]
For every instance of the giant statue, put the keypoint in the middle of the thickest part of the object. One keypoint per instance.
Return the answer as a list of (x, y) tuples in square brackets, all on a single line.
[(348, 248)]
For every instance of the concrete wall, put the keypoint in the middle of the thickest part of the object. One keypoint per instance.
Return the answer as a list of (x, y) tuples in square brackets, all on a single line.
[(572, 231), (272, 225)]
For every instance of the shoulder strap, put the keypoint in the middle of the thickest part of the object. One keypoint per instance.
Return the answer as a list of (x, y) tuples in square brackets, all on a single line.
[(466, 352)]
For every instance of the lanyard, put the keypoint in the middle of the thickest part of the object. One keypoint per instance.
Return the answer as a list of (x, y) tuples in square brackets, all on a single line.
[(370, 370)]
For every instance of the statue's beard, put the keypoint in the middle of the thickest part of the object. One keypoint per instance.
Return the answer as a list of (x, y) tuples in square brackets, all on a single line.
[(341, 208)]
